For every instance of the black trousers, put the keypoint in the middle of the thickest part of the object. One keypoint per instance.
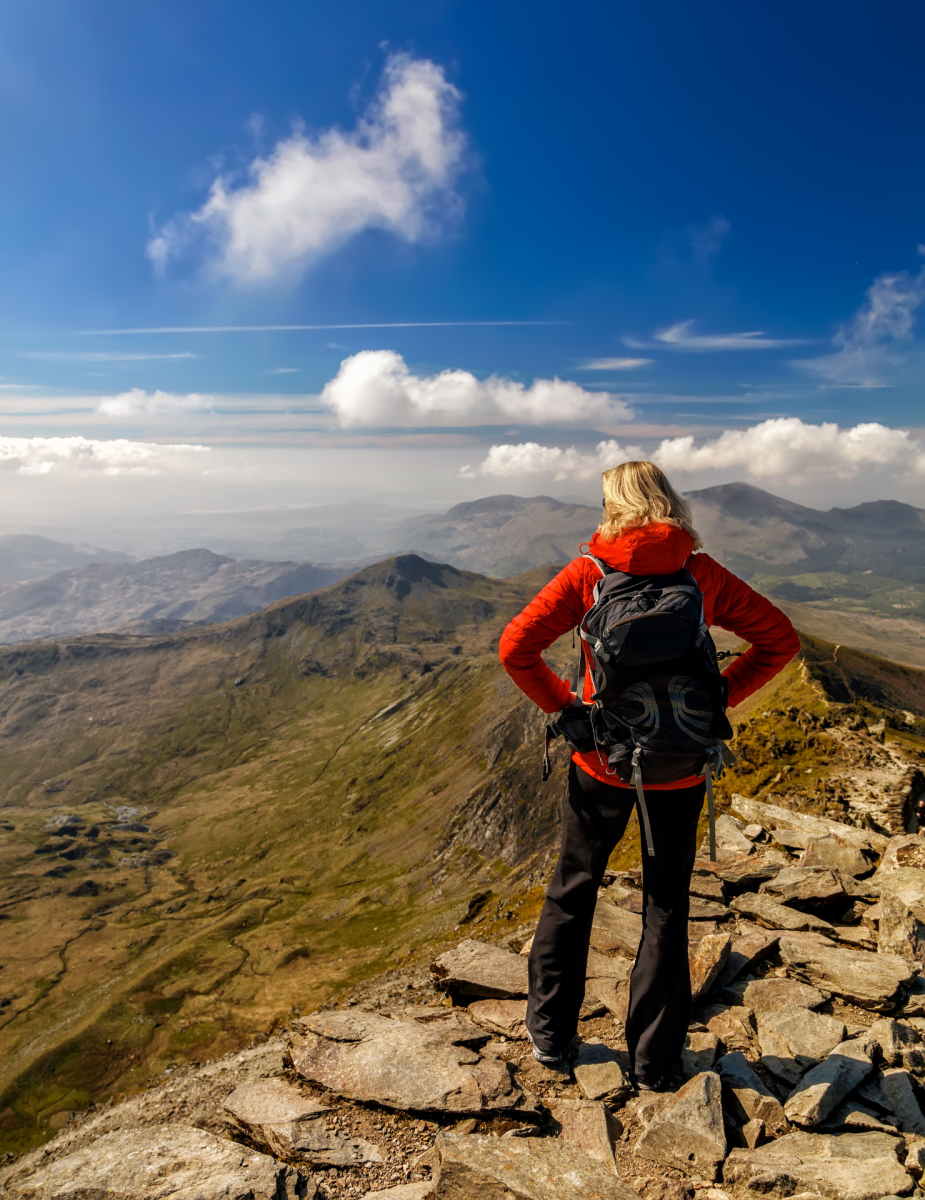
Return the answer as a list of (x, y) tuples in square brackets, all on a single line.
[(594, 819)]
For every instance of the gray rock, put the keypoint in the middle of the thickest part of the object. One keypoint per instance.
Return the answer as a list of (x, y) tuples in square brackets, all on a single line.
[(733, 1025), (507, 1017), (915, 1157), (854, 1117), (749, 945), (699, 1053), (873, 981), (774, 816), (587, 1126), (771, 995), (899, 1045), (823, 1088), (598, 1073), (707, 962), (803, 885), (687, 1131), (401, 1064), (484, 1168), (912, 1007), (614, 994), (155, 1163), (893, 1093), (904, 850), (730, 840), (706, 886), (478, 969), (794, 1039), (791, 839), (836, 854), (747, 1096), (615, 928), (707, 910), (754, 1133), (860, 1166), (901, 916), (776, 916)]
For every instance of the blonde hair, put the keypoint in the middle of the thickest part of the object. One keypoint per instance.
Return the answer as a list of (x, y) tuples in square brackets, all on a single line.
[(636, 493)]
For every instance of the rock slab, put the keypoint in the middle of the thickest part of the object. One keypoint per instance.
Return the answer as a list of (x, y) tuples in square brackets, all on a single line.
[(774, 915), (508, 1017), (822, 1089), (707, 962), (872, 981), (687, 1131), (748, 1096), (479, 969), (598, 1073), (587, 1126)]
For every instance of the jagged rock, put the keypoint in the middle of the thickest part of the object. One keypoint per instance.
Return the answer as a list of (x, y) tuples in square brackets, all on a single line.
[(774, 816), (274, 1116), (803, 885), (776, 916), (861, 939), (899, 1045), (915, 1157), (404, 1191), (598, 1073), (793, 1039), (484, 1168), (687, 1130), (874, 981), (160, 1162), (823, 1088), (507, 1017), (699, 1053), (853, 1117), (730, 840), (748, 872), (732, 1024), (836, 854), (606, 966), (587, 1126), (901, 923), (749, 945), (904, 850), (479, 969), (852, 1166), (771, 995), (754, 1133), (754, 833), (706, 886), (707, 962), (707, 910), (791, 839), (401, 1064), (748, 1096), (913, 1005), (614, 928), (892, 1092), (870, 918), (614, 994)]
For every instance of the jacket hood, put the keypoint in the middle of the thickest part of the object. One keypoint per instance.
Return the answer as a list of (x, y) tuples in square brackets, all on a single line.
[(653, 549)]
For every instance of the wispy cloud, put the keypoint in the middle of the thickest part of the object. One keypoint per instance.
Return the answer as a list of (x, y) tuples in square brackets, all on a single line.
[(682, 337), (395, 171), (613, 364), (284, 370), (100, 356), (707, 239), (375, 387), (87, 456), (138, 403), (308, 328), (864, 356)]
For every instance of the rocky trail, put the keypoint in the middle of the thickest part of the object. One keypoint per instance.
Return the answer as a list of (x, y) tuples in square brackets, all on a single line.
[(803, 1073)]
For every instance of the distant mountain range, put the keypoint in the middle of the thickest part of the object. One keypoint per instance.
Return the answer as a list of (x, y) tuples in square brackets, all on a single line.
[(24, 556)]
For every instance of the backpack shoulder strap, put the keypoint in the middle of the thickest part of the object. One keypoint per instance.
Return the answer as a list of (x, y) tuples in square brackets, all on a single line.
[(604, 569)]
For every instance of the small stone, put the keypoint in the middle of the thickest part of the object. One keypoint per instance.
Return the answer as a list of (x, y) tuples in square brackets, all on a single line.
[(479, 969), (598, 1073), (798, 886), (730, 840), (748, 1096), (771, 995), (732, 1024), (666, 1189), (873, 981), (776, 916), (587, 1126), (893, 1092), (823, 1088), (707, 962), (860, 1166), (835, 853), (753, 832), (754, 1133), (687, 1131), (699, 1053), (614, 928), (507, 1017)]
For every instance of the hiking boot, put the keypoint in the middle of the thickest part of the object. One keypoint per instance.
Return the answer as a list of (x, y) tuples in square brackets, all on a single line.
[(661, 1084), (561, 1062)]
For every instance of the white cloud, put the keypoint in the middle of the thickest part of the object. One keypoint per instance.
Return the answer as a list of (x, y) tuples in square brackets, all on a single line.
[(375, 387), (99, 356), (783, 449), (85, 456), (863, 357), (529, 458), (682, 337), (395, 171), (137, 403), (614, 364)]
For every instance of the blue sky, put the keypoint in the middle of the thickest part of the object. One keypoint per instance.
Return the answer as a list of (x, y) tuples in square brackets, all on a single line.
[(703, 221)]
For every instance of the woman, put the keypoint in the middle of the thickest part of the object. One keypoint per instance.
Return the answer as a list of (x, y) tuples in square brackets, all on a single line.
[(646, 530)]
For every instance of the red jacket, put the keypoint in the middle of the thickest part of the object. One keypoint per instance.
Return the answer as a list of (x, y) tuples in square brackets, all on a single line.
[(654, 549)]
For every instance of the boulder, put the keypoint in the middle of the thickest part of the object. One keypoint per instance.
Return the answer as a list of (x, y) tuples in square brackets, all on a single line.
[(899, 1045), (699, 1053), (747, 1096), (614, 928), (858, 1166), (773, 816), (507, 1017), (598, 1073), (478, 969), (732, 1024), (707, 962), (156, 1163), (797, 886), (403, 1064), (892, 1092), (794, 1039), (749, 945), (687, 1131), (473, 1167), (872, 981), (771, 995), (274, 1116), (836, 854), (587, 1126), (822, 1089), (776, 916)]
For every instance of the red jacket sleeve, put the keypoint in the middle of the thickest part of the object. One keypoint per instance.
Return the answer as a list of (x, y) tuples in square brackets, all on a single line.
[(558, 608), (753, 618)]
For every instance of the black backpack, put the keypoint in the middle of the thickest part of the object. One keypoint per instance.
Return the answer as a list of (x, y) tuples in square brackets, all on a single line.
[(658, 710)]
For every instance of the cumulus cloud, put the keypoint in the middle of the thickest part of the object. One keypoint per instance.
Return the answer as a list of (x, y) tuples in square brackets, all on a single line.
[(85, 456), (138, 403), (375, 387), (863, 356), (784, 448), (394, 171)]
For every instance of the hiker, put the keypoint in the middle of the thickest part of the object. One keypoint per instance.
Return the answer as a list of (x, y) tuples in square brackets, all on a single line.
[(643, 540)]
